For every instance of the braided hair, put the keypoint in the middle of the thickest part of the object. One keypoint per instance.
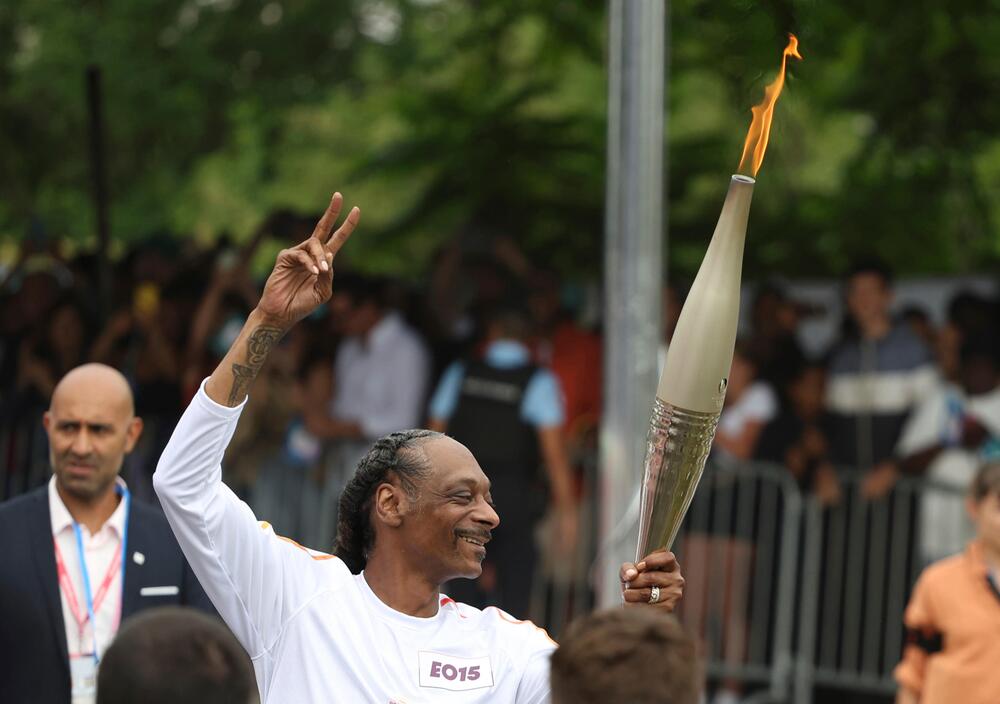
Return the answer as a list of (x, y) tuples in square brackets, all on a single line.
[(392, 453)]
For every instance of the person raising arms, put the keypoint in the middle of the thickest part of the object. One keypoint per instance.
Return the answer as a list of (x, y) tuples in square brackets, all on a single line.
[(369, 624)]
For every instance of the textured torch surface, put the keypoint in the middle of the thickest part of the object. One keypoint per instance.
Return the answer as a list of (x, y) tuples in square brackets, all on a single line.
[(696, 374), (677, 447)]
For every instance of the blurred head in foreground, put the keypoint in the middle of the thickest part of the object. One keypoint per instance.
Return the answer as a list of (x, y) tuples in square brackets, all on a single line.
[(635, 655), (173, 654)]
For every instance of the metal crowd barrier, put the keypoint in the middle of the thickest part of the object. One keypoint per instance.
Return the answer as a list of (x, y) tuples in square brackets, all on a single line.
[(738, 548), (860, 562), (561, 585)]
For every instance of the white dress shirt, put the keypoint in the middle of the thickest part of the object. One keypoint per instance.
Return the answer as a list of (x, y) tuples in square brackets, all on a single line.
[(99, 551), (381, 380), (314, 631)]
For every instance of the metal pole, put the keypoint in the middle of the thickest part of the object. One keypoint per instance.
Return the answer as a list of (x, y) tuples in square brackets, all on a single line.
[(633, 269), (100, 187)]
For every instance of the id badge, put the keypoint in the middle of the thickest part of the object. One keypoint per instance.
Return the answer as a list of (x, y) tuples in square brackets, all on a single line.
[(83, 676)]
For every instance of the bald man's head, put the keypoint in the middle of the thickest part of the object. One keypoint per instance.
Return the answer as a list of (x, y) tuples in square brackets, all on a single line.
[(97, 381), (91, 425)]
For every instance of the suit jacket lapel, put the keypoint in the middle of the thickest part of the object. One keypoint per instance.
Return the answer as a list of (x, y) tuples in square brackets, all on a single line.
[(44, 557), (133, 572)]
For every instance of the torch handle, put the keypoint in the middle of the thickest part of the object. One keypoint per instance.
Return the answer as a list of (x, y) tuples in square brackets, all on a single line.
[(677, 448)]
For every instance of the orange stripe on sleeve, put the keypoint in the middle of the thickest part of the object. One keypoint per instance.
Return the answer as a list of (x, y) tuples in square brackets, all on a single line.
[(321, 556), (517, 622)]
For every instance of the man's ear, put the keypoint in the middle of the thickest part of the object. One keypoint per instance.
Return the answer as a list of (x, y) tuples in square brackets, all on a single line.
[(389, 507), (132, 433)]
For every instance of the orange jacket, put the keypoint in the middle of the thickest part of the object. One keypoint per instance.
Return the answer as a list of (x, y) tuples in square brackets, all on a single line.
[(952, 652)]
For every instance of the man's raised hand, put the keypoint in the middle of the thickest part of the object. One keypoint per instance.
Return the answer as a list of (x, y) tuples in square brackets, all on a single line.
[(302, 278)]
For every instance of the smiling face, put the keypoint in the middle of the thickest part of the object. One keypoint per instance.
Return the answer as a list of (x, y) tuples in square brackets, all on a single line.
[(91, 427), (446, 527)]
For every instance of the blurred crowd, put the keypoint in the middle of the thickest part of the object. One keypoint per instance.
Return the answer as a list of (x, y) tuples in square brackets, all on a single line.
[(500, 353), (370, 362), (894, 396)]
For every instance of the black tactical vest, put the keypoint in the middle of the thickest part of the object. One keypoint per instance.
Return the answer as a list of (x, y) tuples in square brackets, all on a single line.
[(488, 421)]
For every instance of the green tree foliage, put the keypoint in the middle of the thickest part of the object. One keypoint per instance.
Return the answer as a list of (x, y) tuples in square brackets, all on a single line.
[(472, 117)]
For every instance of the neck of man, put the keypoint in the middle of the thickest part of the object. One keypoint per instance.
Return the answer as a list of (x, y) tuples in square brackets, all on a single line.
[(93, 513), (402, 587), (876, 329)]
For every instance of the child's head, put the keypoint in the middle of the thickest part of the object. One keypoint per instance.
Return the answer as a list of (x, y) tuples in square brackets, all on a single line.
[(984, 504), (806, 389)]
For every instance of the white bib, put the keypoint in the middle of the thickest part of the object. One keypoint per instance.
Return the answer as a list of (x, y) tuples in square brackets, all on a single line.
[(457, 674)]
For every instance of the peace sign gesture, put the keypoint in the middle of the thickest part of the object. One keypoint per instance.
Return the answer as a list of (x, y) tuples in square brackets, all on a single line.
[(302, 278)]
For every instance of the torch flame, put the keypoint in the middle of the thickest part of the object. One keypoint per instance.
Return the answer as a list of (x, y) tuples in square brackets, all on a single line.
[(763, 113)]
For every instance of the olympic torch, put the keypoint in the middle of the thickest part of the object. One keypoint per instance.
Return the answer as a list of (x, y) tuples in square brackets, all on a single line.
[(693, 384)]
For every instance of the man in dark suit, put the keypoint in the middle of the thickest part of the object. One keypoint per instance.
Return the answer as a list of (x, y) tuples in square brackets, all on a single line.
[(65, 549)]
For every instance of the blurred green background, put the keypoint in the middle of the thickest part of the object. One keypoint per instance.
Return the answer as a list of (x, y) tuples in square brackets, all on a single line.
[(441, 117)]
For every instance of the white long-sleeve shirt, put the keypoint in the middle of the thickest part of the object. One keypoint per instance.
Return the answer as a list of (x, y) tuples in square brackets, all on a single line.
[(314, 631)]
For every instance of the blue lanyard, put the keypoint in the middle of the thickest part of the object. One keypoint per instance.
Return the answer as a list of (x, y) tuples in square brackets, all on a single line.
[(127, 498)]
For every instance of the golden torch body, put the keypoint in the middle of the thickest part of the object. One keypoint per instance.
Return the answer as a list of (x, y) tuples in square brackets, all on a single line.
[(693, 384)]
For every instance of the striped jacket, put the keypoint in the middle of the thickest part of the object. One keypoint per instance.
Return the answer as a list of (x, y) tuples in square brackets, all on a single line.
[(872, 387)]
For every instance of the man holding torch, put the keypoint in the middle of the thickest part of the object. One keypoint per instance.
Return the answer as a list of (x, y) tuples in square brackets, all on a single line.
[(369, 624)]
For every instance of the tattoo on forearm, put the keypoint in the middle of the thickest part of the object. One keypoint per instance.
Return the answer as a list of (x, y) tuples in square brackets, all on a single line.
[(259, 345)]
